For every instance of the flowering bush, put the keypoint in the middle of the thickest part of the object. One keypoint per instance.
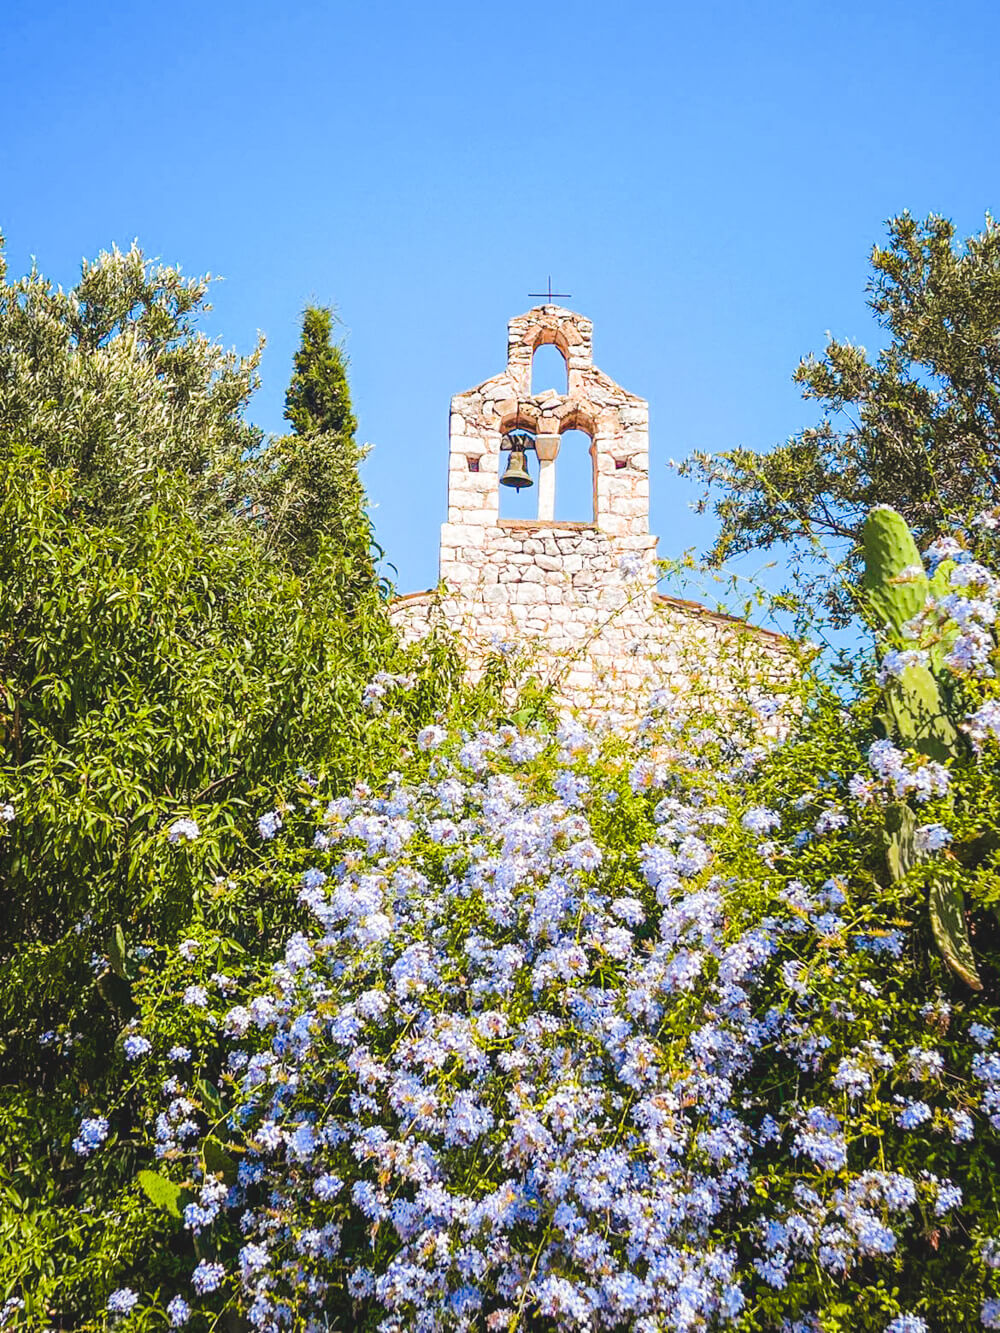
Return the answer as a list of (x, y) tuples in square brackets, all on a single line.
[(582, 1034)]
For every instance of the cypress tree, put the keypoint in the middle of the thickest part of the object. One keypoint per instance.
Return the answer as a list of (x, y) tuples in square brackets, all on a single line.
[(318, 397), (315, 500)]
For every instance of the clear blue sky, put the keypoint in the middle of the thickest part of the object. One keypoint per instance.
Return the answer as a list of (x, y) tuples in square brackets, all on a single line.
[(705, 179)]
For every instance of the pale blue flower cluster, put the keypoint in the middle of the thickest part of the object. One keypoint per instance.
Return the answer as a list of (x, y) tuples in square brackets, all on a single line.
[(511, 1073), (91, 1134), (462, 1065)]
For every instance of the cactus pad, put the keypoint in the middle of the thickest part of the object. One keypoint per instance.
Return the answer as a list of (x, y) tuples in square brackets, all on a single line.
[(919, 718), (947, 913), (894, 594)]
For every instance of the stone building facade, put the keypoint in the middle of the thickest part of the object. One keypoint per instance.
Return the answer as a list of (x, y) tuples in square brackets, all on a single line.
[(580, 596)]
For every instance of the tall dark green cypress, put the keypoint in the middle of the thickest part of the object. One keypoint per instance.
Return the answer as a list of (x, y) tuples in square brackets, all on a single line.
[(317, 502), (319, 398)]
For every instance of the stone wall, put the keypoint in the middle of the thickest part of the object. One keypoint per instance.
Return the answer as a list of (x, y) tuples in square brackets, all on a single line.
[(580, 596)]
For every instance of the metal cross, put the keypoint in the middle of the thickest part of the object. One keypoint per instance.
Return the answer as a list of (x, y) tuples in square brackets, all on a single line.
[(550, 293)]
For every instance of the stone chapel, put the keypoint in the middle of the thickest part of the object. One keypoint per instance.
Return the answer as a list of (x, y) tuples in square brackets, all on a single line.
[(580, 596)]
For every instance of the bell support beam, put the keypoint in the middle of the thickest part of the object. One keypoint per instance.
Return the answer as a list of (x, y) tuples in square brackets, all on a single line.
[(546, 448)]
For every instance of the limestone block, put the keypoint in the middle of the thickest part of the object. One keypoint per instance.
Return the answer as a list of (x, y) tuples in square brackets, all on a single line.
[(532, 574), (481, 517), (634, 416), (458, 572), (629, 506), (462, 534), (524, 593)]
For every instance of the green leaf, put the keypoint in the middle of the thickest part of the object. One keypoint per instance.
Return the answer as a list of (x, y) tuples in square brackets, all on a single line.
[(163, 1193), (218, 1162), (210, 1096), (118, 953)]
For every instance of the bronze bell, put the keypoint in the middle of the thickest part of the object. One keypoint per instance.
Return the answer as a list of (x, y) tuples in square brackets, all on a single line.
[(516, 473)]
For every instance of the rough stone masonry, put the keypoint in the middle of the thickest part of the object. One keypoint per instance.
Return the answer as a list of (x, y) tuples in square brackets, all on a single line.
[(581, 596)]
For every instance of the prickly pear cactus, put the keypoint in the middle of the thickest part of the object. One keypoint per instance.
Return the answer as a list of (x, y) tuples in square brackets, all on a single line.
[(920, 720), (901, 830), (947, 911), (946, 905), (898, 589), (894, 577)]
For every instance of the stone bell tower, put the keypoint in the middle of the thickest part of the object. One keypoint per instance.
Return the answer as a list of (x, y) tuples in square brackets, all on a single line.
[(579, 596), (616, 421)]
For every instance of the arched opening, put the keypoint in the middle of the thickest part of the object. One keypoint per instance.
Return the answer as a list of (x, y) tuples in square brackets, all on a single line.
[(523, 502), (575, 477), (548, 370)]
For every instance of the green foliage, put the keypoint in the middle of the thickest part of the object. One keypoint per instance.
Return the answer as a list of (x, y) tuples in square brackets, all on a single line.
[(917, 426), (308, 483), (162, 1193), (318, 398), (120, 393), (866, 978), (185, 633)]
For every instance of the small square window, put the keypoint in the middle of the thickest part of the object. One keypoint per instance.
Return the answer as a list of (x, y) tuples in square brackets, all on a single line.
[(473, 464), (620, 463)]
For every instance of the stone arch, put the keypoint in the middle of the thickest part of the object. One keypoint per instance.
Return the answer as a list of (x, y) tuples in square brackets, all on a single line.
[(544, 373), (519, 415), (575, 414), (576, 469)]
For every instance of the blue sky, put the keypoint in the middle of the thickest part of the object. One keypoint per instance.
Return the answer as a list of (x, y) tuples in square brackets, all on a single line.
[(706, 180)]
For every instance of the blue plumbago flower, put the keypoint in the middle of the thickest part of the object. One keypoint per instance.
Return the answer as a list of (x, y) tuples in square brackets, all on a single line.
[(924, 1064), (948, 1196), (896, 661), (931, 837), (183, 830), (912, 1114), (461, 1089), (178, 1312), (269, 824), (906, 1323), (91, 1134), (821, 1138), (830, 820), (207, 1277), (179, 1054), (962, 1127), (984, 723), (122, 1301), (136, 1046), (989, 1315), (760, 820)]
